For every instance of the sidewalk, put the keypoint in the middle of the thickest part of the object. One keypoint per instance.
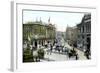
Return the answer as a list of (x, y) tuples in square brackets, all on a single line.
[(81, 54)]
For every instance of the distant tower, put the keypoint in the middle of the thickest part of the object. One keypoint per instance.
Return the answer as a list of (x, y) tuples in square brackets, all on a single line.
[(49, 20)]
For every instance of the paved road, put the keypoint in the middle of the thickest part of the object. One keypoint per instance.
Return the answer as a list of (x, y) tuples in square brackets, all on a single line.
[(80, 53), (55, 56)]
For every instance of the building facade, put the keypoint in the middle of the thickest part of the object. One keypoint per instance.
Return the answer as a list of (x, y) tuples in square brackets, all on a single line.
[(38, 33), (84, 35), (71, 35)]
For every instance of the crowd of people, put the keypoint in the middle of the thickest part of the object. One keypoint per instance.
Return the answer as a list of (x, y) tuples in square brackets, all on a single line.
[(61, 49)]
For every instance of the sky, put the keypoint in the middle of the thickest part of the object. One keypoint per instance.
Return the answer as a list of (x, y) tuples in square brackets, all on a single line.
[(60, 19)]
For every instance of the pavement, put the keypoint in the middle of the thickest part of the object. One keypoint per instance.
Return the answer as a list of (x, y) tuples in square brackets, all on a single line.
[(56, 56), (81, 54)]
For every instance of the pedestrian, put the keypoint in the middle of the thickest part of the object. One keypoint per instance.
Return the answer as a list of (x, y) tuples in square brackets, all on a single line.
[(87, 54), (48, 49), (59, 49), (76, 56), (51, 47), (35, 56)]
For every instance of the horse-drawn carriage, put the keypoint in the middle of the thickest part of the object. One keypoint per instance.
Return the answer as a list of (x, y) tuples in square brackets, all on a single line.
[(72, 53)]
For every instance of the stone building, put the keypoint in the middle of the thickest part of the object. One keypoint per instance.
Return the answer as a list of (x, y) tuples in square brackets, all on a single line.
[(38, 33), (84, 36), (71, 35)]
